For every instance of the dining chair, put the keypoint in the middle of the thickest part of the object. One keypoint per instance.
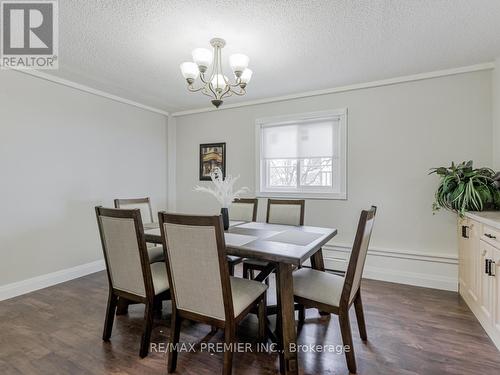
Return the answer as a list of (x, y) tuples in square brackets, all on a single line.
[(144, 205), (131, 276), (202, 289), (335, 294), (279, 211), (242, 209)]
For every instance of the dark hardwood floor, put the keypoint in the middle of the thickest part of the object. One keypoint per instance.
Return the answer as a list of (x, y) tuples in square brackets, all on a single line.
[(410, 331)]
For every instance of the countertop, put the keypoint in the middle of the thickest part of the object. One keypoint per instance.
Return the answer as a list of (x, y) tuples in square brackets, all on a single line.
[(491, 218)]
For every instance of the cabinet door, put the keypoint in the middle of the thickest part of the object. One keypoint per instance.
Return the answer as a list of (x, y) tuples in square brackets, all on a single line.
[(469, 265), (496, 291), (473, 261), (463, 261), (485, 300)]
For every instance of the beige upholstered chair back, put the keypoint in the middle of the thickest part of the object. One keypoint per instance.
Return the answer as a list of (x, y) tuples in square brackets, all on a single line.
[(358, 255), (193, 247), (288, 212), (121, 241), (243, 209), (143, 204)]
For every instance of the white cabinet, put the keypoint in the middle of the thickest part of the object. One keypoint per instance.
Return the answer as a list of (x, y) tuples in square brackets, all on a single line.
[(496, 292), (479, 272), (468, 234), (485, 282), (463, 244)]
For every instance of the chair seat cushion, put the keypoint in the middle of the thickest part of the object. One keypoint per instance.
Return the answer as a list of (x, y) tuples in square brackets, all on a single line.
[(234, 259), (159, 276), (245, 292), (318, 286), (255, 262), (156, 254)]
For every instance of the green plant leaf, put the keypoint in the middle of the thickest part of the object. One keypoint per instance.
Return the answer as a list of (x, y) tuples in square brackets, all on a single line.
[(463, 188)]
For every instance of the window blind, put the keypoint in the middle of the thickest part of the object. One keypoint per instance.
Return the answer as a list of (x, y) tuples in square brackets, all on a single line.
[(302, 139)]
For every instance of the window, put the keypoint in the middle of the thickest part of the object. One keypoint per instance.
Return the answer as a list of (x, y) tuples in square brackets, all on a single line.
[(302, 155)]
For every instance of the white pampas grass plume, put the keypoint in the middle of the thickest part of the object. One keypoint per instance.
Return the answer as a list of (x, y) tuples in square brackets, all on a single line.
[(223, 189)]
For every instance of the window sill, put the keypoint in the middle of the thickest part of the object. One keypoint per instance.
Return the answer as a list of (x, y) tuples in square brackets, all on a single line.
[(302, 195)]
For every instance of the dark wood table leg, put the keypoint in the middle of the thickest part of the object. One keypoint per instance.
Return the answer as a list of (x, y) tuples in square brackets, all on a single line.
[(317, 263), (286, 321)]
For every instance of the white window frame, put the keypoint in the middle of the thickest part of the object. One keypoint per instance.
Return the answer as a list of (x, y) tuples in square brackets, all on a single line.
[(311, 193)]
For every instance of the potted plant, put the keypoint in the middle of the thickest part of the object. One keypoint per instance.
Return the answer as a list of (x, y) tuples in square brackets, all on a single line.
[(223, 192), (464, 188)]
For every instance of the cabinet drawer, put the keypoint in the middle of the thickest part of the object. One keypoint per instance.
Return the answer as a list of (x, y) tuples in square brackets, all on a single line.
[(491, 235)]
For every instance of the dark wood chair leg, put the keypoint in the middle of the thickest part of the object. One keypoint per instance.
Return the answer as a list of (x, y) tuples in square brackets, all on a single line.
[(110, 316), (174, 339), (246, 274), (148, 326), (122, 307), (360, 317), (302, 314), (158, 304), (229, 333), (263, 318), (231, 269), (345, 330), (318, 263)]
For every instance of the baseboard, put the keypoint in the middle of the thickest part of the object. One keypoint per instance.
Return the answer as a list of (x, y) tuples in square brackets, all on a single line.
[(43, 281), (412, 278), (438, 271)]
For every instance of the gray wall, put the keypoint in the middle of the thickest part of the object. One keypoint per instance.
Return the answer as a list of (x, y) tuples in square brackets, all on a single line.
[(63, 151), (395, 134), (496, 115)]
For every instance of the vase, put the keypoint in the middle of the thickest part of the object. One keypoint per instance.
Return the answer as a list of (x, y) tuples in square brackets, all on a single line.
[(225, 217)]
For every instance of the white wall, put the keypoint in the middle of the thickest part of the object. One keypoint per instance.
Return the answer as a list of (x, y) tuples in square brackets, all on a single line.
[(496, 115), (395, 134), (62, 152)]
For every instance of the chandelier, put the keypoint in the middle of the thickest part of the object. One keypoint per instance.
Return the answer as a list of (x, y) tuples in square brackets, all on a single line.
[(216, 85)]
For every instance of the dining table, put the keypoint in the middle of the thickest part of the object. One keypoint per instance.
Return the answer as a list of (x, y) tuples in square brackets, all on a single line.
[(284, 247)]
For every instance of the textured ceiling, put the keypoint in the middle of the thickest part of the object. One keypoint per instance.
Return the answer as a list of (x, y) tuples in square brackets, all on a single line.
[(133, 48)]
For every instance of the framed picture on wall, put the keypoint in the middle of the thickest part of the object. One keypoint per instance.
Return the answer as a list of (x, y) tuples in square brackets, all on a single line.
[(212, 155)]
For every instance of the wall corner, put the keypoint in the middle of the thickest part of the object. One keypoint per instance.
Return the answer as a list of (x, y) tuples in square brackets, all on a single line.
[(171, 163), (496, 114)]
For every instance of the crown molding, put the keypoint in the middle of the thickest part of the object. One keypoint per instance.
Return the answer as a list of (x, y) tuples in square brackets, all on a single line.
[(90, 90), (358, 86)]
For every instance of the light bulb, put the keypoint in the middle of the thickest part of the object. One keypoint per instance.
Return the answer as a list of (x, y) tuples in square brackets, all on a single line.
[(246, 76), (219, 82), (190, 70), (238, 62), (202, 57)]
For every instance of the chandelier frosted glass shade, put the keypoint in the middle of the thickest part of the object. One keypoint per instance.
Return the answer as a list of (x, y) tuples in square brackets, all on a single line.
[(219, 82), (203, 57), (246, 76), (190, 71), (215, 84), (238, 62)]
